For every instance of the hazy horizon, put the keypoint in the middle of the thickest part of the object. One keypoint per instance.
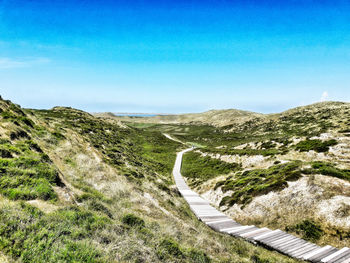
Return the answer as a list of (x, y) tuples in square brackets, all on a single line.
[(174, 57), (168, 113)]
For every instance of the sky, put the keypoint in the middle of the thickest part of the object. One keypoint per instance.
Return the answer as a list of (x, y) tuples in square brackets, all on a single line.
[(174, 56)]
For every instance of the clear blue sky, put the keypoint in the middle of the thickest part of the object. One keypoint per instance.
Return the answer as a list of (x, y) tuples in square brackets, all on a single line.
[(174, 56)]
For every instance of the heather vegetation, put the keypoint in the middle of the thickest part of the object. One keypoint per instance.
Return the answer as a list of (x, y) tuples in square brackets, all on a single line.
[(329, 169), (308, 229), (26, 172), (52, 210), (315, 145), (199, 169), (245, 185)]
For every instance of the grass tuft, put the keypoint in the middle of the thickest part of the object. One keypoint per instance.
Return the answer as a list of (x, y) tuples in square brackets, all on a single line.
[(133, 221)]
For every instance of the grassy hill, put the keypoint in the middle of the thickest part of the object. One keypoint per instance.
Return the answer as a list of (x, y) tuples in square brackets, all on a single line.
[(76, 188), (232, 119), (294, 170), (288, 170)]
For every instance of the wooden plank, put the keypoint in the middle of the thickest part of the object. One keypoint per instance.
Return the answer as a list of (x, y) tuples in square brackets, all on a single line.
[(317, 258), (344, 258), (246, 230), (267, 234), (234, 229), (283, 240), (289, 242), (255, 233), (292, 250), (313, 253), (197, 203), (188, 193), (299, 254), (285, 250), (284, 244), (224, 225), (231, 228), (347, 260), (203, 209), (341, 258), (304, 250), (239, 230), (195, 199), (336, 255), (208, 219), (220, 221), (269, 240), (297, 242), (272, 238)]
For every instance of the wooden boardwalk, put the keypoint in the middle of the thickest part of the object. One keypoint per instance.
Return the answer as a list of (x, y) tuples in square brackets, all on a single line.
[(274, 239)]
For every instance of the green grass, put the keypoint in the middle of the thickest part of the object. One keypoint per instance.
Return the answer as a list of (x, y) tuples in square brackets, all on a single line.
[(328, 169), (63, 236), (308, 229), (255, 182), (315, 145), (170, 250), (26, 172), (133, 221), (29, 175), (17, 116), (199, 168)]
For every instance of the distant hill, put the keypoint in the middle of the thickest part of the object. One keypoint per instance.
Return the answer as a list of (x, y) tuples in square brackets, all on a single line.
[(310, 119), (234, 117), (217, 118)]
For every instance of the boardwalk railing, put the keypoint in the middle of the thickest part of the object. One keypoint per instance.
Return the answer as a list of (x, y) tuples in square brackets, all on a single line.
[(275, 239)]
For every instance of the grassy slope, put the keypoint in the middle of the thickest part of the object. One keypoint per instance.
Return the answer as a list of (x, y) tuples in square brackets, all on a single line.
[(198, 169), (112, 198)]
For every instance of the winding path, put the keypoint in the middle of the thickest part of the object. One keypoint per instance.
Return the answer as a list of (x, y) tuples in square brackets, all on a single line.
[(274, 239)]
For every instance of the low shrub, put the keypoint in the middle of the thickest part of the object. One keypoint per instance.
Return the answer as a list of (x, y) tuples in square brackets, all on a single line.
[(200, 168), (15, 135), (308, 229), (133, 221), (327, 169), (5, 153), (251, 183), (169, 247), (315, 145), (198, 256)]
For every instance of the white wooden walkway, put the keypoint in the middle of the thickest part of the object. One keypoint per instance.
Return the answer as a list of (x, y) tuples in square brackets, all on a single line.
[(274, 239)]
